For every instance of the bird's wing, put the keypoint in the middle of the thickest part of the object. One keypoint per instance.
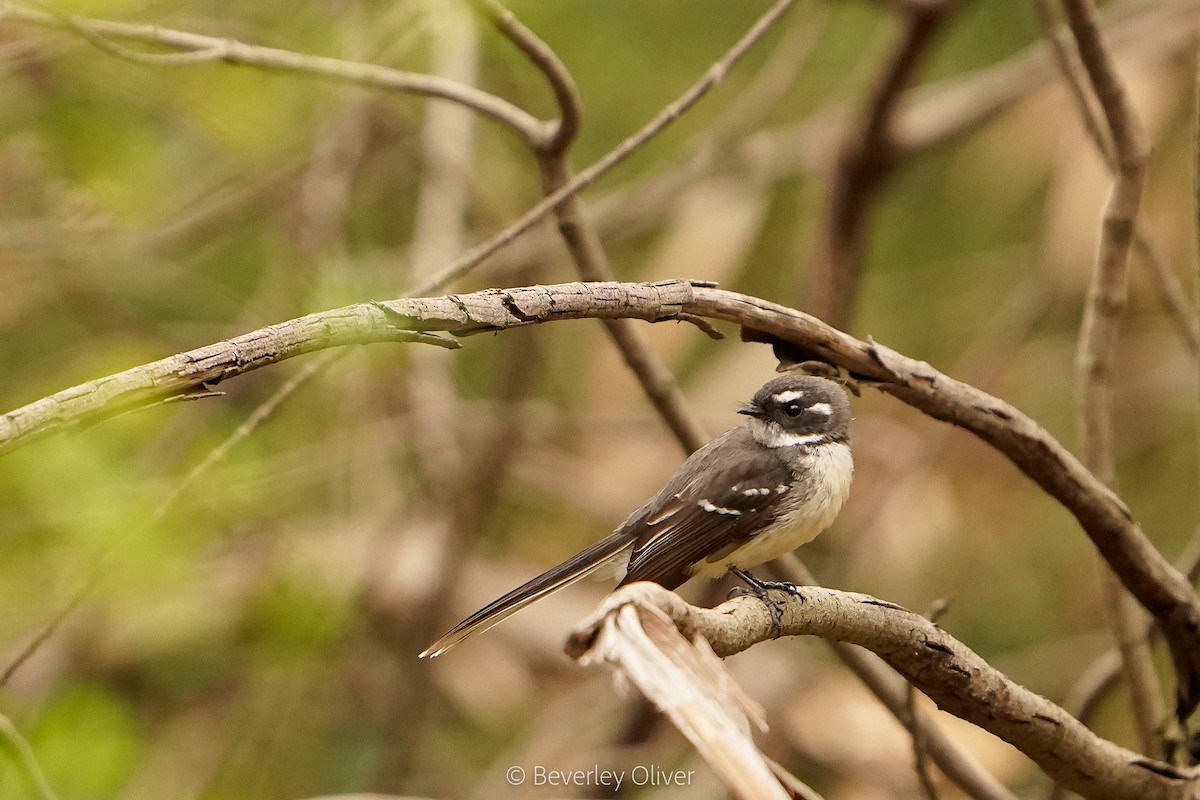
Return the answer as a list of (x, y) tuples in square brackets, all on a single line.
[(705, 518)]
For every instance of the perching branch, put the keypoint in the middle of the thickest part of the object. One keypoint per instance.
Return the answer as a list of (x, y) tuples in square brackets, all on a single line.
[(1157, 585), (946, 670)]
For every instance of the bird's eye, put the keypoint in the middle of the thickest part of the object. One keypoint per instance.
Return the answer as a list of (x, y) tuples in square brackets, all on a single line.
[(793, 409)]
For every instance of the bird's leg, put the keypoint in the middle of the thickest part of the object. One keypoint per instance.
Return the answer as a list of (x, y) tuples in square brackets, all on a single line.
[(761, 589)]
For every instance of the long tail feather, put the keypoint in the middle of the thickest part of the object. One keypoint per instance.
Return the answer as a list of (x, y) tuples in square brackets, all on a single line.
[(566, 573)]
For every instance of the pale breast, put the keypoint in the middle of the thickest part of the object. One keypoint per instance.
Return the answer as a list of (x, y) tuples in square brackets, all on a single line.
[(823, 484)]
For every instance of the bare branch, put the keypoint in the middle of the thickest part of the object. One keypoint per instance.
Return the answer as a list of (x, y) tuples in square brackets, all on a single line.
[(1166, 283), (203, 367), (946, 670), (1125, 148), (570, 108), (579, 234)]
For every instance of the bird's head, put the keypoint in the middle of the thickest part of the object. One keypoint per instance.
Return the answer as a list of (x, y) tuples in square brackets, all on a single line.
[(798, 410)]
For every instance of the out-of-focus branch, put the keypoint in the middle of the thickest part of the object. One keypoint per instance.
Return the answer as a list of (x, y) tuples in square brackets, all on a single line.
[(1099, 331), (231, 51), (618, 154), (101, 568), (26, 759), (866, 158), (953, 676), (1167, 284), (437, 433), (1107, 293)]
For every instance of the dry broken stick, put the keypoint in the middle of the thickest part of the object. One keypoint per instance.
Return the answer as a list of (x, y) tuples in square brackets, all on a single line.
[(1159, 587), (953, 676)]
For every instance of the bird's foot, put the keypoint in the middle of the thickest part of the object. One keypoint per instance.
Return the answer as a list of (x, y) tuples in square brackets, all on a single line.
[(761, 589)]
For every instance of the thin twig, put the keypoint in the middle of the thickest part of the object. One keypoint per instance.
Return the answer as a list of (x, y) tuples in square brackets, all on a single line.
[(563, 131), (1166, 283), (1099, 330), (583, 243)]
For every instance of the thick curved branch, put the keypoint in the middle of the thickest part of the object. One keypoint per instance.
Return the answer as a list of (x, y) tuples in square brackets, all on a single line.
[(949, 672), (1157, 585), (955, 763)]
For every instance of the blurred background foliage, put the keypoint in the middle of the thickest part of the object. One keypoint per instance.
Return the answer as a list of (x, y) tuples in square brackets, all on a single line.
[(255, 637)]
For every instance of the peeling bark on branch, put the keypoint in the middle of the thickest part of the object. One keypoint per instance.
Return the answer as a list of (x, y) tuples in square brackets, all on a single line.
[(182, 374)]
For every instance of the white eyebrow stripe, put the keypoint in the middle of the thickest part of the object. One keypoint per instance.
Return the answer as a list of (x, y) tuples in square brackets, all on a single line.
[(821, 408), (789, 396)]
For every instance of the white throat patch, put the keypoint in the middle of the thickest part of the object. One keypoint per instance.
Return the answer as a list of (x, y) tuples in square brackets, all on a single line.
[(769, 434)]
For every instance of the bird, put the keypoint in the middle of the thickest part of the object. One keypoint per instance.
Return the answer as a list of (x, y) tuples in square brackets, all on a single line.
[(758, 491)]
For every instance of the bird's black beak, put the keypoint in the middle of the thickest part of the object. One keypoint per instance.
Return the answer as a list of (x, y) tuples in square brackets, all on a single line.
[(751, 410)]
